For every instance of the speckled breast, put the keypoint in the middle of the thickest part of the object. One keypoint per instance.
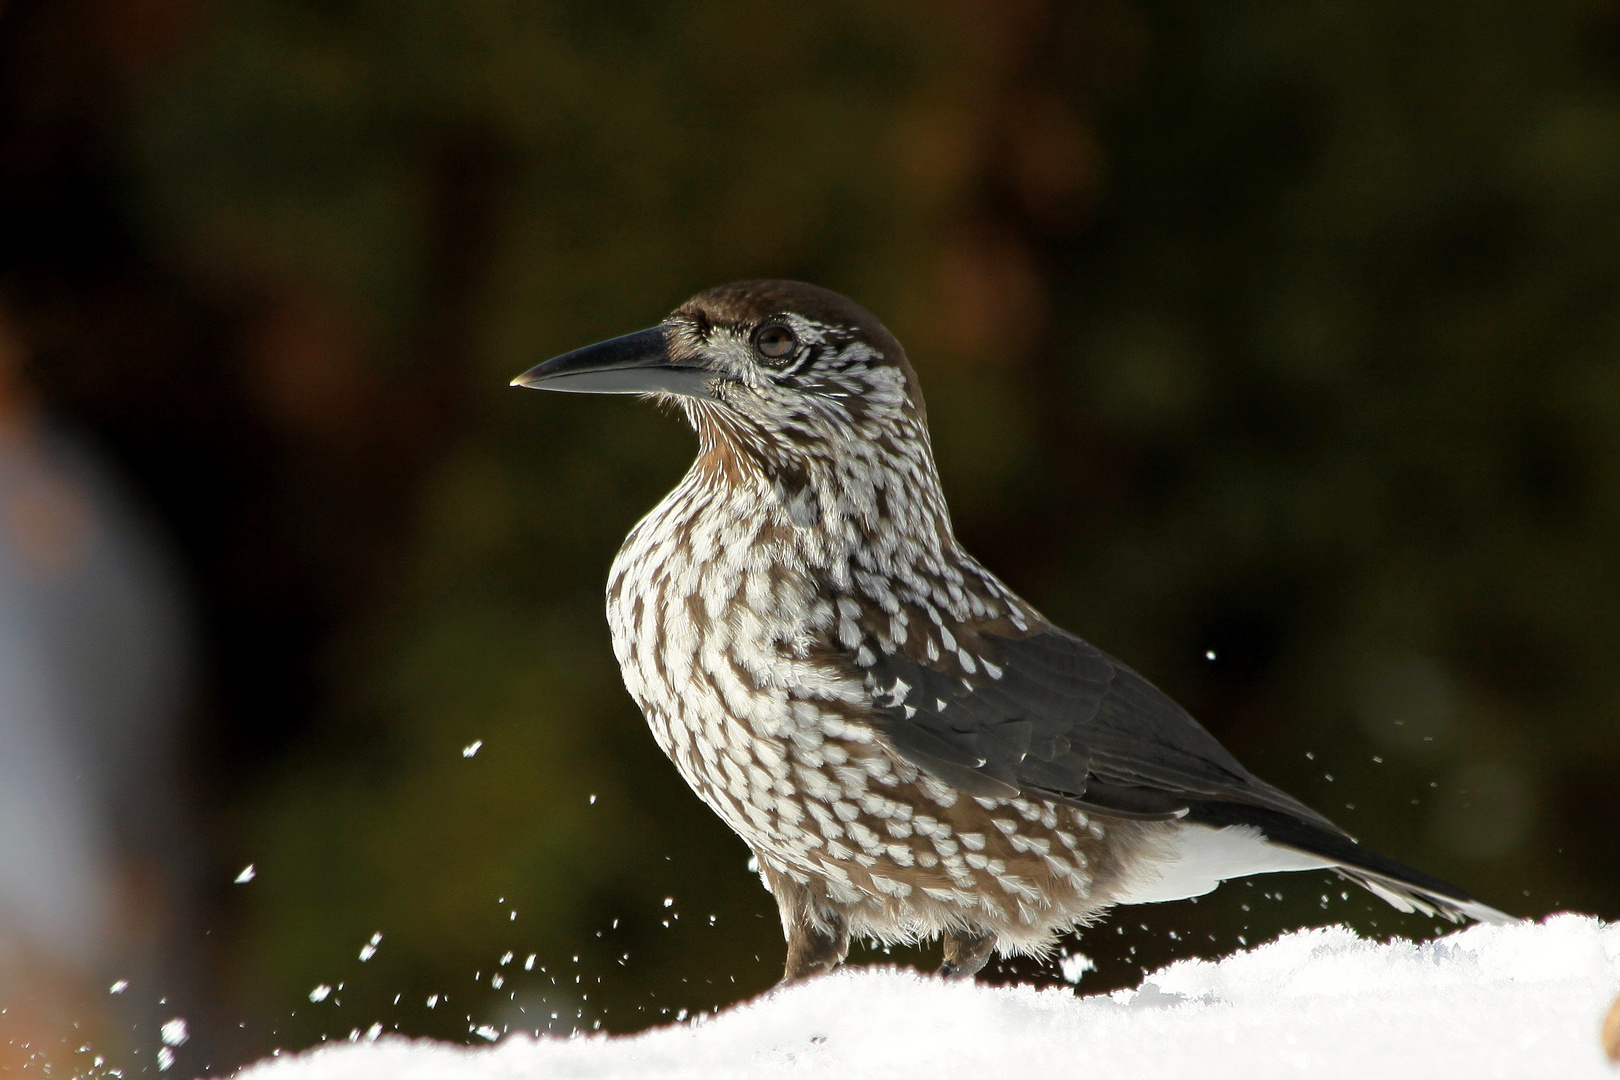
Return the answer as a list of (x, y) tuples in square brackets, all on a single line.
[(711, 626), (715, 622)]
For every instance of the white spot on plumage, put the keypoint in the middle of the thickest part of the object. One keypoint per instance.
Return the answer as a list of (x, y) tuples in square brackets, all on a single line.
[(869, 840), (889, 886)]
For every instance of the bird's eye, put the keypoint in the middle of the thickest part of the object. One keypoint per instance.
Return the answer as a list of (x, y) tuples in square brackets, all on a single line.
[(775, 342)]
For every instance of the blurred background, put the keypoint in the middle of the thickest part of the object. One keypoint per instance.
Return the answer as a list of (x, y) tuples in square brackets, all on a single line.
[(1273, 346)]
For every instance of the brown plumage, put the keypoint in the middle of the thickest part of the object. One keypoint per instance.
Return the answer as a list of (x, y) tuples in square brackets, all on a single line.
[(909, 749)]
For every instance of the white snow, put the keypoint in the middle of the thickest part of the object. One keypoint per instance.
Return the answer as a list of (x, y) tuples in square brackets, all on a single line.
[(1074, 966), (1519, 1001)]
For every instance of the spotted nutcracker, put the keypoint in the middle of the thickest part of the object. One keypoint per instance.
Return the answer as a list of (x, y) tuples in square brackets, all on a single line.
[(909, 748)]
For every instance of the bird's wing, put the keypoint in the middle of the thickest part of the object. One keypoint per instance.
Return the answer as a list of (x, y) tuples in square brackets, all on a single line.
[(1049, 715)]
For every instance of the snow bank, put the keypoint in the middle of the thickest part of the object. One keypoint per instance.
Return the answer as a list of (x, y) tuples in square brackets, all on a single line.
[(1491, 1001)]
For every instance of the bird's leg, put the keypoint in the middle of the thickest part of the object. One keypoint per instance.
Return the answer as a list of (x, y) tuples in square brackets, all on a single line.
[(814, 949), (816, 930), (966, 953)]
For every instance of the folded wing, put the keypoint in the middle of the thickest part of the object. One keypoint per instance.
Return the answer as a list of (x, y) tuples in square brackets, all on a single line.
[(1047, 715)]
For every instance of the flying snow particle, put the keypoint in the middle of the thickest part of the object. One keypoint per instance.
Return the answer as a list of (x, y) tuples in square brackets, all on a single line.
[(669, 901), (489, 1033), (528, 965), (1075, 965), (497, 980), (247, 875), (506, 958), (433, 1001), (753, 864), (174, 1033), (1209, 655), (320, 993), (369, 949), (593, 800), (165, 1059), (118, 987), (472, 748)]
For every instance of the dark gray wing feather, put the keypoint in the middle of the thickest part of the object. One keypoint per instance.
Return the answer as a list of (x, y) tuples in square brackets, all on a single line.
[(1054, 717)]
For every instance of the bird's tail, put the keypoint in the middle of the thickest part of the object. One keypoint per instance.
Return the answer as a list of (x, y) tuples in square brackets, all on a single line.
[(1395, 883)]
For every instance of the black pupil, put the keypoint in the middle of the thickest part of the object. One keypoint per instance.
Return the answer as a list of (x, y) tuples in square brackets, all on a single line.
[(775, 342)]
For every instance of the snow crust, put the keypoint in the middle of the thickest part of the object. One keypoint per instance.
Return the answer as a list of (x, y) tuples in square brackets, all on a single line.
[(1525, 1000)]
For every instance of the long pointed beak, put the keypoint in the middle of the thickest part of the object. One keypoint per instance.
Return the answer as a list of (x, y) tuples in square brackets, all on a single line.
[(636, 363)]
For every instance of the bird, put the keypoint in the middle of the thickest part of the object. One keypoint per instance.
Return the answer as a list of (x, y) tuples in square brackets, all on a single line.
[(910, 749)]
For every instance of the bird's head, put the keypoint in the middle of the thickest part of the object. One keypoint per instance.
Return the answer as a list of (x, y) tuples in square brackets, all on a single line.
[(773, 368)]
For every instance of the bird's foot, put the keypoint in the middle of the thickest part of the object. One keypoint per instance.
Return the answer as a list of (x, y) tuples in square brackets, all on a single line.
[(817, 931), (966, 953)]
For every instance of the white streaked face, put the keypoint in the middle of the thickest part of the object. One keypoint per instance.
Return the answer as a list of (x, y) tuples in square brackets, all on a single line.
[(792, 373)]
